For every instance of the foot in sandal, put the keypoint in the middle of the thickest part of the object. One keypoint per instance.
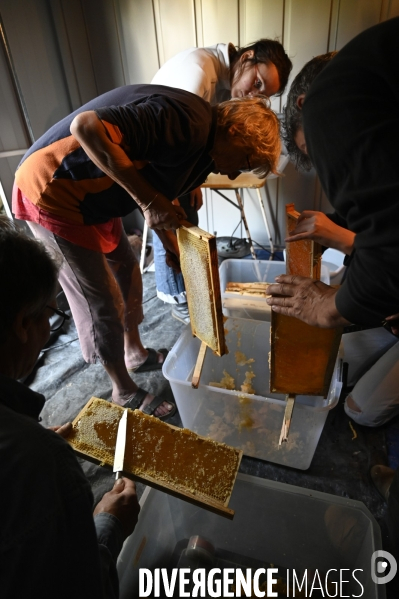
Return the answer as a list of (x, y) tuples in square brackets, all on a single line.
[(153, 361), (147, 403)]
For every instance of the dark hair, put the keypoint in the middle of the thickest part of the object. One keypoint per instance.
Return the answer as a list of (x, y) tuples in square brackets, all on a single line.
[(293, 113), (268, 51), (28, 275)]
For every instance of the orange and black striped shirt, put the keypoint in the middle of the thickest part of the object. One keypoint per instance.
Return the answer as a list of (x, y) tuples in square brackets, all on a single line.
[(170, 128)]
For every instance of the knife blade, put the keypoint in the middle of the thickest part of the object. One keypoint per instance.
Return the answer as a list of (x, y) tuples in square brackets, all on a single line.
[(120, 445)]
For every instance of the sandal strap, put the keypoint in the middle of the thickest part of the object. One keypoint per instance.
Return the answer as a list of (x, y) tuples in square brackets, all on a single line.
[(151, 362), (151, 407), (152, 358), (137, 399)]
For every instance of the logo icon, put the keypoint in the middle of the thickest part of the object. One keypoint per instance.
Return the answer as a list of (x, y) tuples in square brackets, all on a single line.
[(383, 567)]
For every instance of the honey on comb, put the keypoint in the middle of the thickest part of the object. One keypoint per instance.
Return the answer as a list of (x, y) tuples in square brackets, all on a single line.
[(199, 264), (194, 261), (155, 449)]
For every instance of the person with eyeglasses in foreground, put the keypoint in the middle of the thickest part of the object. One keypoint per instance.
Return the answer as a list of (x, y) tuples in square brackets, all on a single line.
[(50, 544), (348, 132), (216, 73), (138, 146)]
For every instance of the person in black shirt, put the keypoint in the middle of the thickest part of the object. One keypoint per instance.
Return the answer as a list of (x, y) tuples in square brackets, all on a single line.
[(351, 134), (347, 127), (50, 546)]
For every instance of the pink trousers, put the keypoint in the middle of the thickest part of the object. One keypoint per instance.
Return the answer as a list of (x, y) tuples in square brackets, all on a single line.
[(104, 292)]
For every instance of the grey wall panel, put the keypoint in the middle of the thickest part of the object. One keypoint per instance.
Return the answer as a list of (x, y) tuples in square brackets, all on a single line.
[(35, 52), (8, 166), (12, 132), (175, 25), (261, 18), (220, 21), (105, 43), (306, 30), (139, 48), (297, 187), (391, 9), (355, 16), (271, 202), (76, 57)]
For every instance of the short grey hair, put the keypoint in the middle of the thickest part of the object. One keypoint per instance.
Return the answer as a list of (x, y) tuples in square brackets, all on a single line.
[(28, 275)]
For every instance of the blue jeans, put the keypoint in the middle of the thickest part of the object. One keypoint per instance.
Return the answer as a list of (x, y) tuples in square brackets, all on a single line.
[(170, 284)]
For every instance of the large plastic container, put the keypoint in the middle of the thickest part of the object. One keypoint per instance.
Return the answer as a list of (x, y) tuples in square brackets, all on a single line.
[(250, 271), (274, 523), (250, 422)]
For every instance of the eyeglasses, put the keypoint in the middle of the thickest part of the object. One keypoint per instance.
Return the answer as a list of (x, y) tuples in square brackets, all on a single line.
[(56, 326), (246, 170)]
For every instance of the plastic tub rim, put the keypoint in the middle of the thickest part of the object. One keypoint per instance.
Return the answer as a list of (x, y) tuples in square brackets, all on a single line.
[(274, 400), (173, 355)]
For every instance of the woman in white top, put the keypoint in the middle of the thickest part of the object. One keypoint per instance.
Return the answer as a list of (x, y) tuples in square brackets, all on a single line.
[(216, 73)]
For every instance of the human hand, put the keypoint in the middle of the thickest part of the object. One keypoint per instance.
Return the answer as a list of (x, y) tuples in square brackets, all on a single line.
[(317, 226), (196, 200), (64, 430), (311, 301), (122, 503), (162, 214)]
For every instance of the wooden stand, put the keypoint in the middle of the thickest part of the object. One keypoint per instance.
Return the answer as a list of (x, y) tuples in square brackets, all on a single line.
[(198, 366), (285, 429), (143, 247)]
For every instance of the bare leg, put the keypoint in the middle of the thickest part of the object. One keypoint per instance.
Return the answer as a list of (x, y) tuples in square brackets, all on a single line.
[(123, 388), (127, 273), (97, 306)]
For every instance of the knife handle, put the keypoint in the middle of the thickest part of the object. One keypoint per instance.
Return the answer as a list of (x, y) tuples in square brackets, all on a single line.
[(118, 475)]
